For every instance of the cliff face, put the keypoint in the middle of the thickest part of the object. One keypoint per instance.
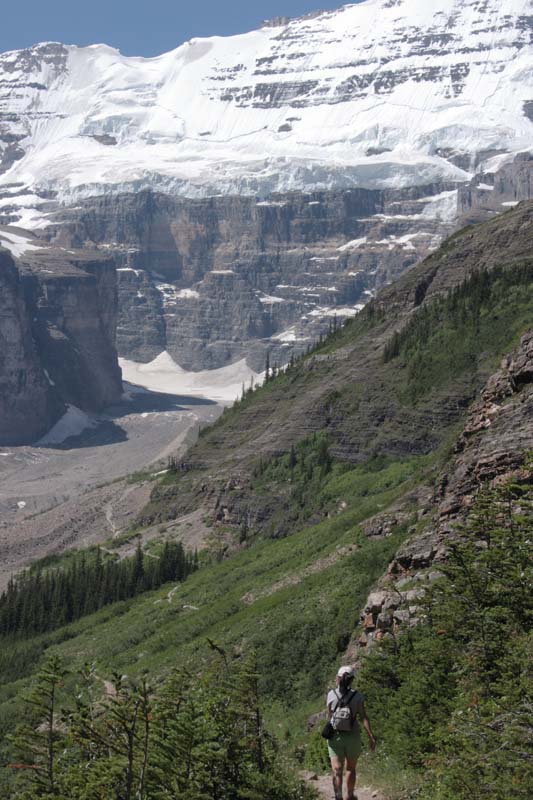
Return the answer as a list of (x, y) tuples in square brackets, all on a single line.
[(58, 325), (489, 192), (326, 154), (26, 406), (217, 279)]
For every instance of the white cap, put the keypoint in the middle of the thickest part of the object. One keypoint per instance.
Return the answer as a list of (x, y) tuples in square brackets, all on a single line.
[(349, 671)]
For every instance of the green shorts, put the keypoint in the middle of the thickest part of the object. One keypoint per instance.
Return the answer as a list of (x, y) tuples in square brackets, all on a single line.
[(345, 744)]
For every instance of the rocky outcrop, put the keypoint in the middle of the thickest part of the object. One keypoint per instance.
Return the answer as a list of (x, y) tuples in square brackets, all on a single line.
[(492, 448), (215, 280), (58, 328)]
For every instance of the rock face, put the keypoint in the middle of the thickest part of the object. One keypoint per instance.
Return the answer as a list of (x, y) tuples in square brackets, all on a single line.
[(26, 406), (350, 391), (214, 280), (58, 328), (491, 192)]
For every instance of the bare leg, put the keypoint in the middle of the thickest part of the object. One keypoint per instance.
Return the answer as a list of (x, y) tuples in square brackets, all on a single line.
[(336, 770), (351, 775)]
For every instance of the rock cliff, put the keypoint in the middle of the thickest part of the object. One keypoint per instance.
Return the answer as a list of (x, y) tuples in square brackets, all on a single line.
[(262, 184), (58, 329), (26, 406), (218, 279)]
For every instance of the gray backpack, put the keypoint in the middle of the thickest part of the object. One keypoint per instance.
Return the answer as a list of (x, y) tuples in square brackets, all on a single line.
[(342, 718)]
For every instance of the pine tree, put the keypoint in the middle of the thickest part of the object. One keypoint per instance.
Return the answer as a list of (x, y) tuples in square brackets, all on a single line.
[(36, 743)]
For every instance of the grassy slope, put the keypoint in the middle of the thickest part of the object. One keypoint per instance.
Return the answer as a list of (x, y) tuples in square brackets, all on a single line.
[(295, 601)]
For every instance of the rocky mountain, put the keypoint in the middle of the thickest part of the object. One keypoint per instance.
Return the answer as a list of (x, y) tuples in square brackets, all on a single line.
[(251, 188), (334, 491), (57, 335), (213, 280)]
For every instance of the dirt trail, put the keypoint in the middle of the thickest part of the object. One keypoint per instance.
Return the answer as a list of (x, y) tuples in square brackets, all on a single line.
[(322, 784)]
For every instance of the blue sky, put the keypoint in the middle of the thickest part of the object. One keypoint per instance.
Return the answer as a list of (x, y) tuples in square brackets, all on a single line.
[(139, 27)]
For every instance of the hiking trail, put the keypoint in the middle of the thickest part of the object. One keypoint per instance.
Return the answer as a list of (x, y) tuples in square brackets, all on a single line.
[(322, 784)]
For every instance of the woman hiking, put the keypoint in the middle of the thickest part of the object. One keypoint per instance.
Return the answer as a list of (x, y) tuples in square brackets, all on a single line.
[(346, 707)]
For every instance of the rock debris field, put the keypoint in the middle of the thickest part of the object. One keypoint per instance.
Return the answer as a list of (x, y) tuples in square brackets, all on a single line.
[(75, 492)]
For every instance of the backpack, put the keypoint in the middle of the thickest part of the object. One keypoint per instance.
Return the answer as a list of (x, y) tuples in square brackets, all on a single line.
[(342, 718)]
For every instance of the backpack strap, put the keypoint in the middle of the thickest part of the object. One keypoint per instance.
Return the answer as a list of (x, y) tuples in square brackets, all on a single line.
[(345, 703), (339, 699)]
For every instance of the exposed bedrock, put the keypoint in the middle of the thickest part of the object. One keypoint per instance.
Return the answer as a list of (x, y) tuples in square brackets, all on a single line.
[(218, 279), (492, 449), (57, 340)]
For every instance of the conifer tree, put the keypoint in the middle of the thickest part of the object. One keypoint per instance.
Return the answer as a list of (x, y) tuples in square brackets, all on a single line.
[(36, 743)]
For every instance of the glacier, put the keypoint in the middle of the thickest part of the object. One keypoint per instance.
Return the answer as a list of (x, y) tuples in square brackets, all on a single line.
[(383, 94)]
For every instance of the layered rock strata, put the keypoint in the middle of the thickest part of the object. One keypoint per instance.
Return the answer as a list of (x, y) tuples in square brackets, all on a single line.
[(215, 280), (26, 406)]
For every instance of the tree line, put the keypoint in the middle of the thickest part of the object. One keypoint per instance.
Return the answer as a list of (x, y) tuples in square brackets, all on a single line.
[(44, 599), (461, 307)]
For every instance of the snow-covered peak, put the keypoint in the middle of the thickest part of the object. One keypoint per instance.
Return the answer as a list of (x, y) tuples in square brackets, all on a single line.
[(386, 93)]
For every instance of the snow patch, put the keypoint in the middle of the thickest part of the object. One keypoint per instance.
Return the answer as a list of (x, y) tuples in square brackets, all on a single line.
[(164, 375), (187, 294), (269, 300), (341, 312), (353, 245), (72, 423), (18, 244), (171, 293), (288, 335)]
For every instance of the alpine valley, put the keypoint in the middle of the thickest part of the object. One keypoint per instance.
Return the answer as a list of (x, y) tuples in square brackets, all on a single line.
[(334, 211)]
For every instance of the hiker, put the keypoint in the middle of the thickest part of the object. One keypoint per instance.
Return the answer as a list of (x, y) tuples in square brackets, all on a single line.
[(345, 706)]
